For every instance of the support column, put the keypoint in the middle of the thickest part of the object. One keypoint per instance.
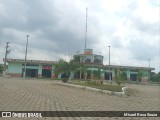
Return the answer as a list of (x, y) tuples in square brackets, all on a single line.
[(40, 71), (52, 72), (128, 74), (113, 74)]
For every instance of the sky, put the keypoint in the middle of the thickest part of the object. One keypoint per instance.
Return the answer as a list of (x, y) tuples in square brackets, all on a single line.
[(56, 30)]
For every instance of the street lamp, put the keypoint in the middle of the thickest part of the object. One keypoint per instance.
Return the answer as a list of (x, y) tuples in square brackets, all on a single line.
[(109, 66), (149, 62), (5, 59), (24, 73)]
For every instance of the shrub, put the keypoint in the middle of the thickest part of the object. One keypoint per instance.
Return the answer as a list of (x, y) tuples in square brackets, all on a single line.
[(64, 80), (90, 83), (99, 82)]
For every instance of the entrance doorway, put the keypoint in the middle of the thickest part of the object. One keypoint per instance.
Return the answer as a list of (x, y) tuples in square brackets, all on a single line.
[(133, 77), (31, 72), (107, 75), (47, 71)]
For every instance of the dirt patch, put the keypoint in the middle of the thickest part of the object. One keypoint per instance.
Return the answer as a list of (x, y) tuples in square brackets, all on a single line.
[(147, 91), (131, 92)]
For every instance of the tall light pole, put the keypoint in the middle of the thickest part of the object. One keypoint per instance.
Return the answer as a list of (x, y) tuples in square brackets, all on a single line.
[(109, 66), (5, 59), (149, 62), (24, 73)]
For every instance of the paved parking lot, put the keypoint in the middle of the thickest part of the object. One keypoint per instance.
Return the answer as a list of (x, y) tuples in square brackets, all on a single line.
[(47, 95)]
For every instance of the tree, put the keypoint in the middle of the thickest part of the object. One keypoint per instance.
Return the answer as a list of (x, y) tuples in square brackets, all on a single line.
[(73, 67), (76, 59), (97, 61), (155, 77), (66, 68), (120, 76), (123, 76), (62, 67), (97, 76), (83, 69), (140, 75), (158, 77)]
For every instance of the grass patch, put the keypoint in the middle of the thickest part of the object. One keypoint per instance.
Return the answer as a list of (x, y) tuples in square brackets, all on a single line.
[(45, 78), (114, 88)]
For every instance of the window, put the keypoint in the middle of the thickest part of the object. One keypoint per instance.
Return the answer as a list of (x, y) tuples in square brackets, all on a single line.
[(35, 65), (88, 60)]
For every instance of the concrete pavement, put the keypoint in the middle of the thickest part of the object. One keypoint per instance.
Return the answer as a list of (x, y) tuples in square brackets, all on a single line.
[(47, 95)]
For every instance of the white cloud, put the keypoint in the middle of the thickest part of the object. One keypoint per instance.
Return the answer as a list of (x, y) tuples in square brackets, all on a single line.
[(129, 27)]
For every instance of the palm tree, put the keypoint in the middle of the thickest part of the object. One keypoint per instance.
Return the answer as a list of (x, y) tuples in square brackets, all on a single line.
[(120, 76), (97, 76), (140, 75), (83, 69), (66, 68), (73, 67), (62, 67)]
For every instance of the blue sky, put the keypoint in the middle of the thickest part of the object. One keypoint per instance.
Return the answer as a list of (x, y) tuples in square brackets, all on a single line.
[(57, 28)]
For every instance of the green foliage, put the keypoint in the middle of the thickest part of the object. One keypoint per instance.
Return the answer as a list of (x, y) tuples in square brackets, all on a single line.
[(1, 69), (76, 58), (73, 66), (140, 75), (114, 88), (97, 74), (64, 80), (83, 69), (123, 76), (97, 61), (120, 76), (66, 68), (90, 83), (155, 77), (62, 67)]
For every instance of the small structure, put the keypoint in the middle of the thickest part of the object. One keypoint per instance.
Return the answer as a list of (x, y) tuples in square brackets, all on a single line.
[(34, 68), (94, 62), (89, 57)]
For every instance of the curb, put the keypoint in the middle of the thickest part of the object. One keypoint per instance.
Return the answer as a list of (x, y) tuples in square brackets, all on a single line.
[(123, 93)]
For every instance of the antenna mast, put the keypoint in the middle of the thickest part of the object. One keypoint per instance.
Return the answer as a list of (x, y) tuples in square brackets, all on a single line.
[(86, 30)]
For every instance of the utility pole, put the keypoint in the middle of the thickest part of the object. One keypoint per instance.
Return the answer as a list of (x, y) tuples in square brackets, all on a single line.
[(24, 73), (109, 66), (86, 29), (149, 68), (5, 59)]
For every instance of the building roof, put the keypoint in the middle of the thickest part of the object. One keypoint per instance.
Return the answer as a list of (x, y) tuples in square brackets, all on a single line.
[(116, 66), (30, 61), (129, 67), (9, 60), (88, 55)]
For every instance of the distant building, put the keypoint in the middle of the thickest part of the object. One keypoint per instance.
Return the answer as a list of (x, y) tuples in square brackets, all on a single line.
[(94, 62), (89, 57), (34, 68), (40, 68)]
